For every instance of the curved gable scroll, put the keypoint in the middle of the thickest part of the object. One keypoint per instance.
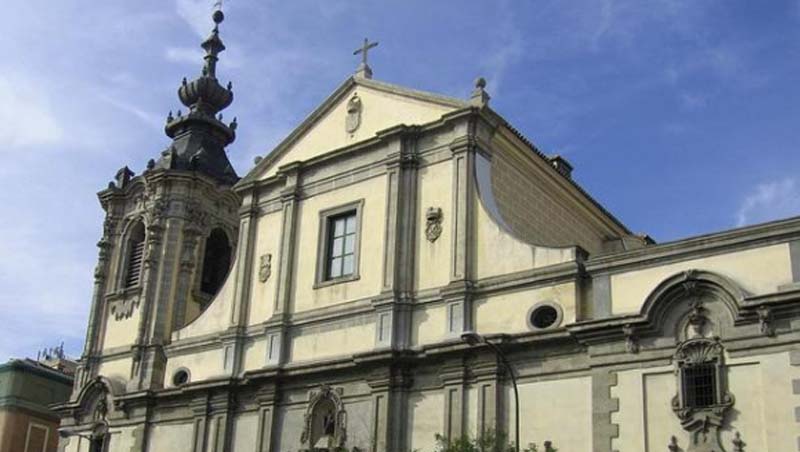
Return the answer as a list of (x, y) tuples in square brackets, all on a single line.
[(95, 401), (691, 283)]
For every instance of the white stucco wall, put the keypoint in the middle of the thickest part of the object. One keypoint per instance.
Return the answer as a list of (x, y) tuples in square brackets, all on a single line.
[(245, 433), (758, 271), (380, 110), (425, 419), (202, 365), (121, 332), (508, 312), (428, 324), (170, 437), (373, 217), (763, 412), (262, 294), (434, 188), (340, 339), (557, 410)]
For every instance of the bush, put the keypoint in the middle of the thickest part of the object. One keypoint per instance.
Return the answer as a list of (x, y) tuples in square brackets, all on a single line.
[(488, 442)]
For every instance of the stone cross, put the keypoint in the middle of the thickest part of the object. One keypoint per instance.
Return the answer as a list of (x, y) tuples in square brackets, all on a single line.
[(364, 50)]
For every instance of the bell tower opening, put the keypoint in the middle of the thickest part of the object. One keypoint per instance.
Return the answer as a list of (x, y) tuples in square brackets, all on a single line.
[(216, 262), (135, 255)]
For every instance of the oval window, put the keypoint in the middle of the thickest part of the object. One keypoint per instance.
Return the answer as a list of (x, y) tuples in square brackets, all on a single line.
[(544, 316), (181, 377)]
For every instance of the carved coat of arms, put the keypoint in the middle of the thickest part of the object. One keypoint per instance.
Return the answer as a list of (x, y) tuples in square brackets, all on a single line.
[(433, 226), (265, 267), (353, 114)]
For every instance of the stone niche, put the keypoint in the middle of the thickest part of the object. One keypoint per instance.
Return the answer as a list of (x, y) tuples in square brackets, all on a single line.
[(325, 421)]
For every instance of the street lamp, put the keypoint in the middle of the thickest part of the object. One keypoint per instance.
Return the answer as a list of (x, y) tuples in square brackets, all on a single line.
[(98, 433), (472, 339), (64, 433)]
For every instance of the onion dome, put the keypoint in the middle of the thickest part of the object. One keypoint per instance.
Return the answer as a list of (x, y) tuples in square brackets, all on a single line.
[(199, 137), (205, 93)]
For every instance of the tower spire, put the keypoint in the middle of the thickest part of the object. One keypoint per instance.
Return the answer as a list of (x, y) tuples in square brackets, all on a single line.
[(200, 136), (213, 46)]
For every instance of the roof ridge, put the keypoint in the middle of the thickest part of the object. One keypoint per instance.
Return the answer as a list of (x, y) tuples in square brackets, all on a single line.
[(412, 92)]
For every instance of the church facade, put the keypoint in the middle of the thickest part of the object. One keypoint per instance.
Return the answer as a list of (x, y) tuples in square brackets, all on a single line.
[(401, 266)]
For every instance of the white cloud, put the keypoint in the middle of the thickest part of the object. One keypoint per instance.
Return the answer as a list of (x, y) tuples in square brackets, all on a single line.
[(770, 201), (26, 115), (45, 283), (184, 55), (508, 48), (147, 117), (197, 13)]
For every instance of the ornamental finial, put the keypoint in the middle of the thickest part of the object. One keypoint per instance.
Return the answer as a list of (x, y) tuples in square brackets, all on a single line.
[(479, 97), (213, 45)]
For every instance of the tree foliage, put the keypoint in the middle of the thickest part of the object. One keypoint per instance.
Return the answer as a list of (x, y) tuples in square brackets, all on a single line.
[(488, 442)]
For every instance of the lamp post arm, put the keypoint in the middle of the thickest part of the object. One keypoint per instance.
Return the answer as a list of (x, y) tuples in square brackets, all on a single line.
[(499, 352)]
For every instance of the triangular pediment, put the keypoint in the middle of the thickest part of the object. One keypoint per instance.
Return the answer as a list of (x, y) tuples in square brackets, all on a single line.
[(382, 106)]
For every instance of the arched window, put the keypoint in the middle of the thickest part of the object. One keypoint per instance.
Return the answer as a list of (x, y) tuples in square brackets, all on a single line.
[(135, 255), (216, 263)]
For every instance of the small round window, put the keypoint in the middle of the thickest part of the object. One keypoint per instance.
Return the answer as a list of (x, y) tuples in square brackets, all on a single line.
[(544, 315), (180, 378)]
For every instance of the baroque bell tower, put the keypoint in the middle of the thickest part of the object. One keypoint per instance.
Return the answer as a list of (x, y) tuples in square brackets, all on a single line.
[(168, 236)]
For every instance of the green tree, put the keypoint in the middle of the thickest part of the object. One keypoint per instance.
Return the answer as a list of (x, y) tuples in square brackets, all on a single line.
[(488, 442)]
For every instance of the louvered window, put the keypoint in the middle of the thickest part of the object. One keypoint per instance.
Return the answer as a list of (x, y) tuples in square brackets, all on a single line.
[(135, 256)]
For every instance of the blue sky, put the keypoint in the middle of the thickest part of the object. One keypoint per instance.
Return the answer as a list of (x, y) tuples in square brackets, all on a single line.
[(681, 117)]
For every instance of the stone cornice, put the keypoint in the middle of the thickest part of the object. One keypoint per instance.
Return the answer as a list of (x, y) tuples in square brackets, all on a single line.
[(696, 247)]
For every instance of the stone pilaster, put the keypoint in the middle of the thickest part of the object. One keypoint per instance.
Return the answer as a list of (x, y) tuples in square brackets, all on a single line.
[(463, 162), (212, 421), (148, 295), (393, 310), (220, 422), (248, 222), (488, 382), (188, 265), (248, 219), (389, 408), (458, 293), (200, 409), (159, 264), (159, 324), (453, 379), (603, 405), (267, 405), (86, 369), (276, 326)]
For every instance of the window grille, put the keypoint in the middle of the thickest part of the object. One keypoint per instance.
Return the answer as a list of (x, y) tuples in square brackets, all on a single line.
[(700, 385)]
